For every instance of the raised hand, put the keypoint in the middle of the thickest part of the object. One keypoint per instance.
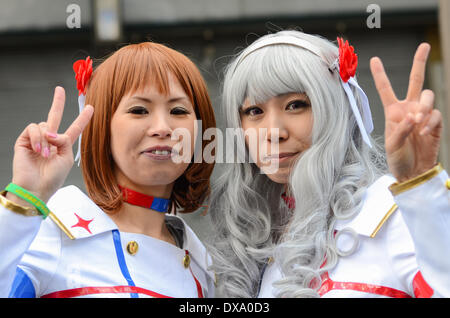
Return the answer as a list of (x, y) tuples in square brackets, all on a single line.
[(43, 158), (413, 128)]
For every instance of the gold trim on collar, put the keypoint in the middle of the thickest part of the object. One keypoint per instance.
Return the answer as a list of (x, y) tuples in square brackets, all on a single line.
[(384, 219), (397, 188), (59, 224)]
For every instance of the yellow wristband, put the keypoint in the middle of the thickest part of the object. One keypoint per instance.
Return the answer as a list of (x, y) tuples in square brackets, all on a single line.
[(27, 211), (397, 188)]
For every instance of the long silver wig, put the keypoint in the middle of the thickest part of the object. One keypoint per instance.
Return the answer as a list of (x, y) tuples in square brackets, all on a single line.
[(251, 222)]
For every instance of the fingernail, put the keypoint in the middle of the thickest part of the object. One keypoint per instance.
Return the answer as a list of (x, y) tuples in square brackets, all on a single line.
[(52, 135), (38, 147), (46, 152)]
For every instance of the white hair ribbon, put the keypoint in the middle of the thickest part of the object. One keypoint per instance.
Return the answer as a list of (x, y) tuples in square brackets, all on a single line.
[(365, 123), (81, 101), (83, 71)]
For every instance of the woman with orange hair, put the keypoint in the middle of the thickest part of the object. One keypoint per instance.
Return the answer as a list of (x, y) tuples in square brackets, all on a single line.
[(117, 240)]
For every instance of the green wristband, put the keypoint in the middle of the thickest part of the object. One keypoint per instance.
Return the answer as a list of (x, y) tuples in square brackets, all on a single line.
[(30, 198)]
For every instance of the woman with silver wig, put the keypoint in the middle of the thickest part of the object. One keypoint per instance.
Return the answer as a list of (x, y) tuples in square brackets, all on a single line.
[(339, 216)]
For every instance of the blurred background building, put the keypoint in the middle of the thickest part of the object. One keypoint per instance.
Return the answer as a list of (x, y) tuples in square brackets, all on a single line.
[(40, 39)]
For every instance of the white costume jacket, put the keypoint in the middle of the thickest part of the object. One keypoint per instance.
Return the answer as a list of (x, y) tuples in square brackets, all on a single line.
[(399, 245), (40, 260)]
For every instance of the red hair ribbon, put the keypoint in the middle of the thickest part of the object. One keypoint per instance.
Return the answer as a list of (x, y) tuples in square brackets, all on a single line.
[(348, 60), (83, 72)]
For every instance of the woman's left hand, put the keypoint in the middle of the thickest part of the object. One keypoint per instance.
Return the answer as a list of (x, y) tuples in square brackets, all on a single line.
[(413, 128)]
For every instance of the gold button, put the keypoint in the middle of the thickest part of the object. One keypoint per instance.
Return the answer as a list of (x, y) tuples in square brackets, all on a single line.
[(186, 260), (132, 247), (448, 184)]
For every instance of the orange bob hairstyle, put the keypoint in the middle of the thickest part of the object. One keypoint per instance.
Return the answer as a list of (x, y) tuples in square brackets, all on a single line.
[(126, 71)]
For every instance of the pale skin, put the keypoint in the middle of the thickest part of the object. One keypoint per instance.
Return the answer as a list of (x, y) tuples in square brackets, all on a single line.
[(291, 115), (412, 126), (43, 158)]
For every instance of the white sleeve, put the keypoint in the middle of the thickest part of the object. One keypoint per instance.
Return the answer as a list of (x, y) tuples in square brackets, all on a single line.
[(17, 232), (426, 211)]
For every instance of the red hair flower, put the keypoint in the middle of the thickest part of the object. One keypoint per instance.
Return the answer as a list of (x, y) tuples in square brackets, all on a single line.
[(348, 60), (83, 71)]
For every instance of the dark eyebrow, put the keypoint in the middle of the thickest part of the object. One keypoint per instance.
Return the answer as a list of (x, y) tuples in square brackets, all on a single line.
[(172, 100)]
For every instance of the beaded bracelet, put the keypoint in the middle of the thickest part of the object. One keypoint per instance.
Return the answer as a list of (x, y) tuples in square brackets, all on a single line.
[(30, 198)]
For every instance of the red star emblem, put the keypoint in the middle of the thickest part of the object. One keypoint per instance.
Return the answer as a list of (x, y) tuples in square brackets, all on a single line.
[(83, 223)]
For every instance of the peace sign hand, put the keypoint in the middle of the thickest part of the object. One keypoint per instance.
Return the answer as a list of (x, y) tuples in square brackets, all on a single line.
[(413, 128), (43, 158)]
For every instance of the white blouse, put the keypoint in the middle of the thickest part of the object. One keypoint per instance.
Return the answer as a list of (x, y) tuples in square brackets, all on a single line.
[(394, 252), (40, 260)]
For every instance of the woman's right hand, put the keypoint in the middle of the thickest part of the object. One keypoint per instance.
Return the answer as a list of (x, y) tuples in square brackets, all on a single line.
[(42, 157)]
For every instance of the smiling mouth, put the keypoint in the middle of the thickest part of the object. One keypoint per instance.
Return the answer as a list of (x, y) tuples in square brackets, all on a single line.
[(281, 156), (160, 152)]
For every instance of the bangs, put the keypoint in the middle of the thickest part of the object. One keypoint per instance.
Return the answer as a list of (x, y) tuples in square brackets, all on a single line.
[(139, 65), (267, 77)]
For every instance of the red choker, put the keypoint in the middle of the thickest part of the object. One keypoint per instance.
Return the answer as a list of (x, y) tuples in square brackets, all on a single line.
[(144, 200)]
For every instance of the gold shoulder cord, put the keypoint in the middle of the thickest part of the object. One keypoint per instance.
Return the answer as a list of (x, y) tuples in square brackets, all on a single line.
[(28, 211)]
